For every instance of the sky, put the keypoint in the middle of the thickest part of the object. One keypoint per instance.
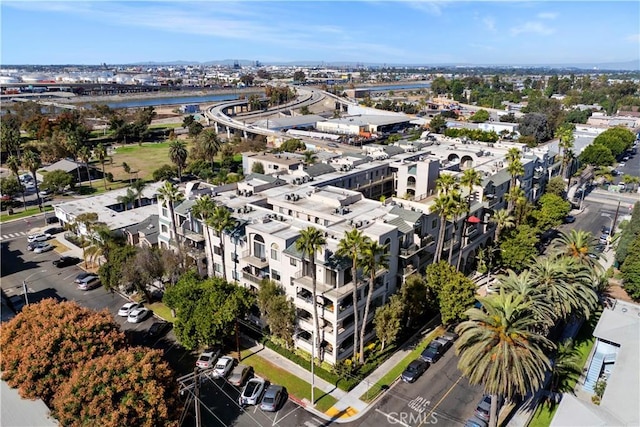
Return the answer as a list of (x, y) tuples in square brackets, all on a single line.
[(428, 32)]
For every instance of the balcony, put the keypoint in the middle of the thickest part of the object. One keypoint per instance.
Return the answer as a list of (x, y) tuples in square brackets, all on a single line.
[(307, 297), (410, 251), (191, 235), (260, 262), (248, 275)]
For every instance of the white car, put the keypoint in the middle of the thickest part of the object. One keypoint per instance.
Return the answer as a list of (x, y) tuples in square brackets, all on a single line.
[(621, 165), (45, 247), (138, 315), (38, 237), (126, 309), (223, 367), (252, 392)]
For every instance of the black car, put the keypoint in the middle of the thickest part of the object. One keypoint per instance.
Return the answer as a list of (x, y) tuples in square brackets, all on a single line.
[(435, 350), (157, 330), (569, 219), (65, 261), (414, 370), (54, 230)]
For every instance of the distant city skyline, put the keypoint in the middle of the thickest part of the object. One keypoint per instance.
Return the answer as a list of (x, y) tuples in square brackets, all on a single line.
[(501, 32)]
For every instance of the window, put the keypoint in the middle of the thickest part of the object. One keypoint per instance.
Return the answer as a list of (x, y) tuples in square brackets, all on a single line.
[(217, 267), (164, 228), (275, 275), (274, 251), (293, 262), (434, 223), (258, 247), (217, 250), (165, 212), (235, 275)]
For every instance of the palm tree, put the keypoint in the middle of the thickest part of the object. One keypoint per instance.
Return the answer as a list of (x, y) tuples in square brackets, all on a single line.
[(87, 219), (85, 155), (577, 244), (442, 206), (311, 240), (374, 257), (203, 209), (101, 153), (502, 219), (470, 178), (138, 186), (525, 285), (566, 138), (14, 165), (178, 155), (31, 161), (498, 349), (446, 183), (567, 367), (515, 169), (456, 208), (309, 157), (352, 246), (170, 194), (210, 146), (127, 199), (221, 221), (127, 170)]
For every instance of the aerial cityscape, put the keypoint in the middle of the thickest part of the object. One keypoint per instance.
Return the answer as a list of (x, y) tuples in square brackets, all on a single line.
[(292, 214)]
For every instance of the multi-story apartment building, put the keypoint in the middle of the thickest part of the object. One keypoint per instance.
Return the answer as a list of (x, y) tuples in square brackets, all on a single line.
[(345, 193)]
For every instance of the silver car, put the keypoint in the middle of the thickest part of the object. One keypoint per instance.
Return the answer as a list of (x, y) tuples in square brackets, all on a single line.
[(273, 398)]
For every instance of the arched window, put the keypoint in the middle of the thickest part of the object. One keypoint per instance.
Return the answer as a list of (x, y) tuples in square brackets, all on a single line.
[(274, 251), (258, 247)]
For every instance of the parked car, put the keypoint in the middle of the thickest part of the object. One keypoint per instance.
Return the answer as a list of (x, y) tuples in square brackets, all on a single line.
[(157, 330), (208, 358), (65, 261), (252, 392), (42, 247), (80, 277), (138, 315), (274, 397), (54, 230), (600, 248), (569, 219), (475, 422), (126, 309), (89, 282), (435, 350), (604, 239), (240, 374), (223, 367), (332, 144), (606, 230), (483, 410), (31, 246), (38, 237), (414, 370)]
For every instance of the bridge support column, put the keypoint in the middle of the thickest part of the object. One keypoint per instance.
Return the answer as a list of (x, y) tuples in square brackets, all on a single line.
[(244, 134), (228, 132), (215, 126)]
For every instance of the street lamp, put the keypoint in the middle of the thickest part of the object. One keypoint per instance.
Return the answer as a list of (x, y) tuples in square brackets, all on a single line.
[(24, 285)]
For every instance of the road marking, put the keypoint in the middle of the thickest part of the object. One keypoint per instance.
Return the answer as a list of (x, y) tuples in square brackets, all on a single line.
[(284, 416), (440, 401), (69, 276), (392, 418)]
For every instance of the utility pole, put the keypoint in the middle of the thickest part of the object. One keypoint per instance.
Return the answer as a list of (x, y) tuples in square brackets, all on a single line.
[(26, 295), (196, 389), (615, 218), (313, 377)]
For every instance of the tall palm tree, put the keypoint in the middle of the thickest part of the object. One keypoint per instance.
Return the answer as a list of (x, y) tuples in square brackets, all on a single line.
[(127, 170), (525, 285), (352, 246), (564, 133), (210, 144), (138, 186), (170, 194), (221, 221), (101, 153), (442, 206), (446, 183), (31, 161), (515, 169), (567, 367), (14, 165), (203, 209), (470, 178), (178, 155), (502, 219), (311, 240), (456, 208), (85, 155), (374, 257), (498, 349)]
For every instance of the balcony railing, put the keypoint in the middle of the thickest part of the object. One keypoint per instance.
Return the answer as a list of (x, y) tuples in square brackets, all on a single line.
[(253, 278), (259, 261)]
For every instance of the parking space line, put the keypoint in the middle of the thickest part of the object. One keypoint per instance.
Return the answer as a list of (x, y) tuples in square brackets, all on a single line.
[(433, 409), (289, 413)]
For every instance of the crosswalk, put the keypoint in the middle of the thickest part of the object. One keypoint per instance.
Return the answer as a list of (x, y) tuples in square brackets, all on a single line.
[(11, 236)]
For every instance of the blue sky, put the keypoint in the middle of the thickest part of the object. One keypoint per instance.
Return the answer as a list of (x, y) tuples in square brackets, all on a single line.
[(392, 32)]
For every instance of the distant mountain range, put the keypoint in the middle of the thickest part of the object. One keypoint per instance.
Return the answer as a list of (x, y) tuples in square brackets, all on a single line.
[(633, 65)]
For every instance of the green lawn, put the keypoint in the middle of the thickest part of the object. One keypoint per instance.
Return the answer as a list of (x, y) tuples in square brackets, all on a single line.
[(396, 371), (543, 416), (143, 159), (20, 213), (162, 310), (295, 386)]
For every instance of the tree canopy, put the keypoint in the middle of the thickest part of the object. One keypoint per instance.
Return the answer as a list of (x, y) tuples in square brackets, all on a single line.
[(197, 324), (46, 341), (133, 387)]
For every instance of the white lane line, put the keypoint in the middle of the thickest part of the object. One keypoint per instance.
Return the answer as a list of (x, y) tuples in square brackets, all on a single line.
[(69, 276), (392, 418)]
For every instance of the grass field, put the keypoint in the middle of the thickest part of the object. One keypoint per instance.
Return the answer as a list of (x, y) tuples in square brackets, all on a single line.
[(543, 416), (20, 213), (295, 386), (142, 159)]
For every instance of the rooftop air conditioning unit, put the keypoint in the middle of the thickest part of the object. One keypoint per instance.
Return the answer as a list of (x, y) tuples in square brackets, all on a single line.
[(287, 197)]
